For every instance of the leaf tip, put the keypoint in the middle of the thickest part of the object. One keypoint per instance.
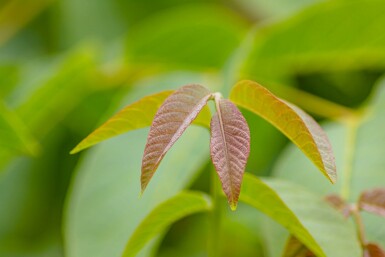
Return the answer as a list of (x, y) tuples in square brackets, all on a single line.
[(332, 176), (74, 151), (233, 206)]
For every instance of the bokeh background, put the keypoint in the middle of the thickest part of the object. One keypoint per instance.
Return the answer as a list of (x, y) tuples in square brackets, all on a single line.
[(68, 65)]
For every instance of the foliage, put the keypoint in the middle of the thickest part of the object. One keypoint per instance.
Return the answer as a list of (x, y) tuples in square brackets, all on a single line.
[(66, 66)]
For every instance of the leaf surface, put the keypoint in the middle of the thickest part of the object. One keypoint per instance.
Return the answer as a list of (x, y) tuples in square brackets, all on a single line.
[(230, 148), (373, 201), (134, 116), (165, 214), (307, 217), (298, 126), (171, 120), (358, 147)]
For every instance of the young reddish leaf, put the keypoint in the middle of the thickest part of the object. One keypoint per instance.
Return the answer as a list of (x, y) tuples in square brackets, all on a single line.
[(298, 126), (373, 250), (295, 248), (230, 148), (339, 204), (171, 120), (134, 116), (373, 201)]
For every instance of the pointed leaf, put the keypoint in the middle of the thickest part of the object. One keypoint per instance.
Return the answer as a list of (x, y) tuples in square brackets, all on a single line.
[(299, 127), (230, 148), (294, 248), (179, 206), (134, 116), (307, 217), (373, 201), (171, 120), (373, 250)]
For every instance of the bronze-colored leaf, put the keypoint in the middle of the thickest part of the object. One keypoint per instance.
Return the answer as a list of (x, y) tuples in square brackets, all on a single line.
[(295, 248), (171, 120), (373, 250), (298, 126), (339, 204), (230, 148), (373, 201)]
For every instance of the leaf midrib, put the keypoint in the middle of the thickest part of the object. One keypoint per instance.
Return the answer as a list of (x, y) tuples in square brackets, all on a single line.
[(225, 146)]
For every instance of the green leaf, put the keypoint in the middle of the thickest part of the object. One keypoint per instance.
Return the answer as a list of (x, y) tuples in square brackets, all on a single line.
[(165, 214), (358, 146), (322, 229), (229, 148), (204, 37), (299, 127), (332, 35), (134, 116), (172, 118), (14, 135)]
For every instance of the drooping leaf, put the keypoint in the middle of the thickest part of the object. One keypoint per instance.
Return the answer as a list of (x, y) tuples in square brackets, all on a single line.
[(294, 248), (230, 148), (373, 201), (358, 146), (171, 120), (299, 127), (373, 250), (134, 116), (307, 217), (177, 207)]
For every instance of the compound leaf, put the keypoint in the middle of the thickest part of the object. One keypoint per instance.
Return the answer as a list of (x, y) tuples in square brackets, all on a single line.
[(298, 126), (373, 201), (171, 120), (230, 148), (165, 214)]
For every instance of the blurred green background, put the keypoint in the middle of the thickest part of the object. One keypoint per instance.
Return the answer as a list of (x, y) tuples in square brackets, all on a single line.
[(68, 65)]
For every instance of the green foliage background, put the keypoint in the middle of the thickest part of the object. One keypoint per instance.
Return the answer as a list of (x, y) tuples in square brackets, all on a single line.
[(68, 65)]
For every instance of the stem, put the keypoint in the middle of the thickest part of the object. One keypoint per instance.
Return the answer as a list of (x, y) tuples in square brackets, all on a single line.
[(352, 125), (215, 217), (360, 225)]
